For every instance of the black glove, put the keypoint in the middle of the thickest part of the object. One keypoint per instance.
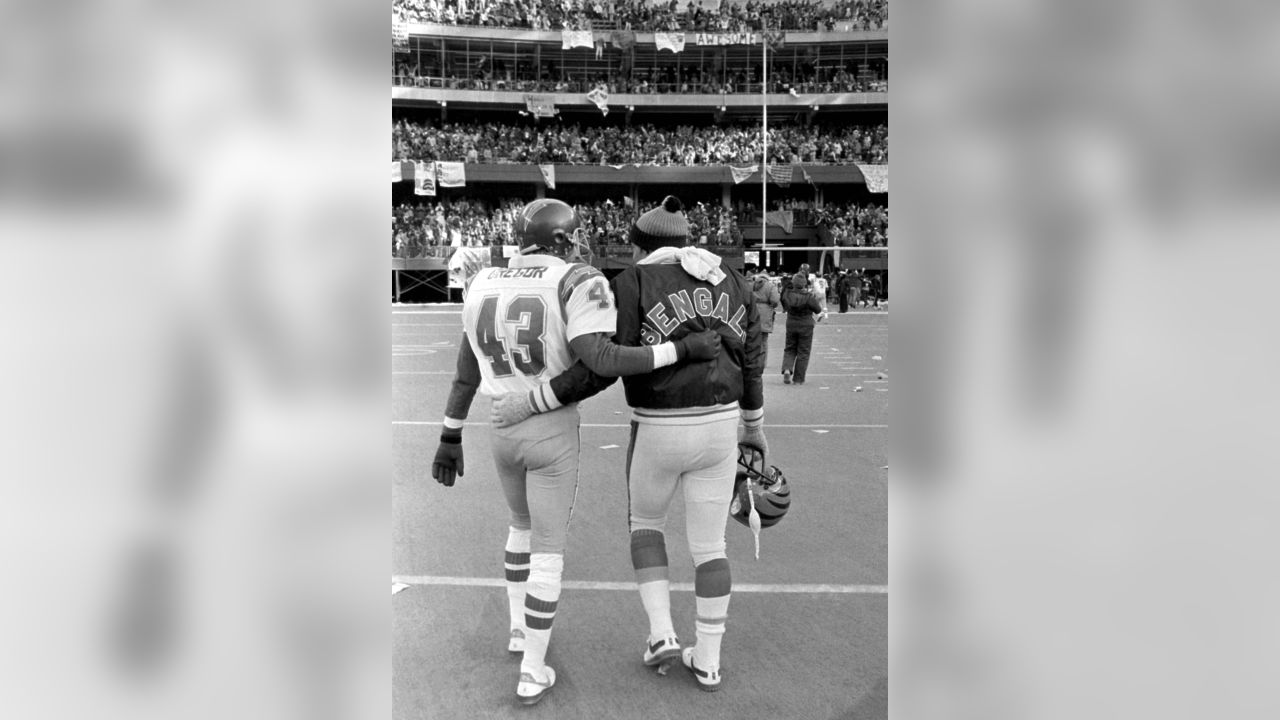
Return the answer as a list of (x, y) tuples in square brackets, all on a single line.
[(703, 345), (448, 462)]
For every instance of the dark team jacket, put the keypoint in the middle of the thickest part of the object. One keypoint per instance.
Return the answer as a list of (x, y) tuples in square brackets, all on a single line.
[(661, 302), (647, 313), (801, 305)]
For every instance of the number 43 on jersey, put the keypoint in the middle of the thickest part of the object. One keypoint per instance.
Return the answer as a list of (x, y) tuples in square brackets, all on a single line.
[(525, 320)]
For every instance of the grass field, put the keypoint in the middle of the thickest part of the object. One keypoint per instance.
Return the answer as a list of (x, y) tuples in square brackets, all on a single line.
[(807, 634)]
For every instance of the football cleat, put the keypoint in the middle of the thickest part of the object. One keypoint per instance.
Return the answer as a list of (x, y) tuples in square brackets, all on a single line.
[(768, 488), (515, 643), (659, 651), (551, 226), (532, 689), (708, 680)]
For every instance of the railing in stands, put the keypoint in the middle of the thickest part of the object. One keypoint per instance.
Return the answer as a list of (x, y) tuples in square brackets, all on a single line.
[(585, 86)]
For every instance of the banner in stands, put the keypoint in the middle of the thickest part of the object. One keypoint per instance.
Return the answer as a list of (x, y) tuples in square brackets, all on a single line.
[(452, 174), (424, 178), (784, 219), (397, 171), (549, 175), (740, 174), (465, 264), (706, 5), (600, 96), (744, 38), (399, 34), (780, 174), (541, 105), (575, 38), (669, 41), (877, 177)]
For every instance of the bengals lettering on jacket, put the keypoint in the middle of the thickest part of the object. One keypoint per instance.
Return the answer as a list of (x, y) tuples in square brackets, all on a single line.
[(664, 318)]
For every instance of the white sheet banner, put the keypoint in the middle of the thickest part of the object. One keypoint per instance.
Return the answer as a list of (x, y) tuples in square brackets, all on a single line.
[(549, 175), (452, 174), (541, 105), (424, 178), (728, 38), (465, 263), (669, 41), (575, 38), (600, 96), (877, 177), (740, 174), (784, 219), (397, 173)]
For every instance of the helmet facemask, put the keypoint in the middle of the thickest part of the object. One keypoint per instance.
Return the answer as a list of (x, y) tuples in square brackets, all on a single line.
[(579, 249)]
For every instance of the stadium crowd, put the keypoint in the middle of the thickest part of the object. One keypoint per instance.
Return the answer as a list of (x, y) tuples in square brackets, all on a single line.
[(432, 228), (849, 225), (688, 80), (637, 144), (646, 16)]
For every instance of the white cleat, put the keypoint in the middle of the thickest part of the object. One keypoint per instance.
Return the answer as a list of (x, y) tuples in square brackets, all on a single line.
[(515, 644), (532, 688), (708, 680), (661, 652)]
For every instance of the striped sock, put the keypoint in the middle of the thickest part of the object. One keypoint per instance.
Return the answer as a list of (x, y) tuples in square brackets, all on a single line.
[(711, 588), (541, 597), (649, 558), (517, 565)]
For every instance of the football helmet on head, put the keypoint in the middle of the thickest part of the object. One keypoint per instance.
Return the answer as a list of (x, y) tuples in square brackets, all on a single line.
[(551, 226), (768, 489)]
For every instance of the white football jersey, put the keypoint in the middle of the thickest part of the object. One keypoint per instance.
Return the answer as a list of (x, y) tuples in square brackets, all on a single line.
[(520, 319)]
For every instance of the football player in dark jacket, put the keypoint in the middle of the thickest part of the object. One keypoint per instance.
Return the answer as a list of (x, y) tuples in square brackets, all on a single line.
[(684, 425)]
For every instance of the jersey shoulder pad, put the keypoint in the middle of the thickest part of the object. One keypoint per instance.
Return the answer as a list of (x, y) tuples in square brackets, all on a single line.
[(574, 277)]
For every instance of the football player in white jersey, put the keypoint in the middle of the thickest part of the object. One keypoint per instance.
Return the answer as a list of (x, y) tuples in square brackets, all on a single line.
[(522, 325)]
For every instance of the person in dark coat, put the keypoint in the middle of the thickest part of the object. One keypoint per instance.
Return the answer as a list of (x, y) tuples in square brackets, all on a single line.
[(802, 308)]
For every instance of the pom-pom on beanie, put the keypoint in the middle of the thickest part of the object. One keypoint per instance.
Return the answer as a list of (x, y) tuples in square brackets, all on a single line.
[(663, 226)]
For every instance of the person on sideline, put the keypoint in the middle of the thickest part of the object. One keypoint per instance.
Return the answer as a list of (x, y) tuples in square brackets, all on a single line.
[(802, 307), (768, 300)]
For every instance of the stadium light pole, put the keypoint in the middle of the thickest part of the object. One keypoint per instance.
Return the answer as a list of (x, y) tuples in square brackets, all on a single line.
[(764, 142)]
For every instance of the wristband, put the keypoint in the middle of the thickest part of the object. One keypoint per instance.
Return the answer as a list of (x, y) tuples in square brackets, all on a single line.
[(543, 398), (451, 435), (668, 353)]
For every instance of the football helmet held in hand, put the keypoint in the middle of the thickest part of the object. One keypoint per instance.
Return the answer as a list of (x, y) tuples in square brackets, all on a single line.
[(768, 488), (552, 227)]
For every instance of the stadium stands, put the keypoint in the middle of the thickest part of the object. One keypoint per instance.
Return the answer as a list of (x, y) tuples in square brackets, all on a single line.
[(638, 144), (640, 15), (611, 105)]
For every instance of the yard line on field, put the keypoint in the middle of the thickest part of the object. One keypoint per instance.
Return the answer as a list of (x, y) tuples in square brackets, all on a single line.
[(628, 425), (423, 372), (631, 586), (809, 375)]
